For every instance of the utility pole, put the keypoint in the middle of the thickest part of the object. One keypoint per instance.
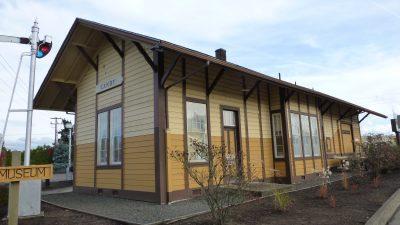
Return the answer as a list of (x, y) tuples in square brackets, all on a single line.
[(55, 129)]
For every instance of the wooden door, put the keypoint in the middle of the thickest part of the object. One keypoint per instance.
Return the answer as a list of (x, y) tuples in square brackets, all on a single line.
[(231, 139), (347, 136)]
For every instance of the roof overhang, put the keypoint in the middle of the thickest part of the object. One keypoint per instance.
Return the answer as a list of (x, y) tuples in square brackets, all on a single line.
[(57, 91)]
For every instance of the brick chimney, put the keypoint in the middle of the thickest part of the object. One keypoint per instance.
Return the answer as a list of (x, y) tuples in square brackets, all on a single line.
[(220, 54)]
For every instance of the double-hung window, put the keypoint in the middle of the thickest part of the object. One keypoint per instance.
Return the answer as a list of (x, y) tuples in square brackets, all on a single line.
[(277, 135), (315, 136), (109, 137), (196, 126), (305, 136), (296, 135)]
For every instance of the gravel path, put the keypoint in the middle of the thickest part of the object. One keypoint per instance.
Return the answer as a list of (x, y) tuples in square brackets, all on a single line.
[(124, 210)]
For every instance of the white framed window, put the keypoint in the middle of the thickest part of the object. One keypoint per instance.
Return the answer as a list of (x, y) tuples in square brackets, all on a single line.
[(115, 136), (229, 118), (278, 135), (102, 138), (315, 136), (196, 127), (296, 135), (109, 137), (306, 135)]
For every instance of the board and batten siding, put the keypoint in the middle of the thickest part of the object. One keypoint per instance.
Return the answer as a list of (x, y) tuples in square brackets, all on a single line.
[(138, 169), (228, 92)]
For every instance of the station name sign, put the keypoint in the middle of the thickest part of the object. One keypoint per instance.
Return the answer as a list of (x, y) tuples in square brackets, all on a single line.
[(20, 173), (108, 84)]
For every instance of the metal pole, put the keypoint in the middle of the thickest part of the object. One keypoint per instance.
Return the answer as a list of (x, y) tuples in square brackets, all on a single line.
[(69, 153), (11, 100), (28, 136), (55, 132)]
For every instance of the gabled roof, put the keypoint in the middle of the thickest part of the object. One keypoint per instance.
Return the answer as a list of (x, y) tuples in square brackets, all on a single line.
[(67, 104)]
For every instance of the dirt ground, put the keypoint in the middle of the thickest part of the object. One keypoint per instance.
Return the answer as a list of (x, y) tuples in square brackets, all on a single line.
[(351, 207), (57, 216)]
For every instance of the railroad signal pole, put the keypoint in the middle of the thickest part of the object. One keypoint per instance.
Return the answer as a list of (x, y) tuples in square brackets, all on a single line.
[(29, 191)]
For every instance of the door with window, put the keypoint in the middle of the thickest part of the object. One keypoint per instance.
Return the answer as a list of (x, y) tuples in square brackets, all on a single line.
[(231, 139), (347, 136)]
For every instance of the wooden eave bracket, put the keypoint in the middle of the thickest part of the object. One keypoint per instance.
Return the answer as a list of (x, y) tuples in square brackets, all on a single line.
[(344, 114), (363, 118), (327, 108), (248, 94), (187, 76), (87, 57), (358, 111), (289, 96), (323, 104), (66, 91), (145, 55), (114, 45), (170, 69), (215, 82)]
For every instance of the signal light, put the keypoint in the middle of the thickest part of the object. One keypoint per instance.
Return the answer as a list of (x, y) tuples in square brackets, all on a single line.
[(44, 48)]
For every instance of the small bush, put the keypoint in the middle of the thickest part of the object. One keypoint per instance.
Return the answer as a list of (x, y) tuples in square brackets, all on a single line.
[(354, 188), (376, 182), (332, 201), (323, 191), (282, 201), (345, 181)]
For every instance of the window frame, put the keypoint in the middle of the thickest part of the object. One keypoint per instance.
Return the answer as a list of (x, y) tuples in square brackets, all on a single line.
[(109, 163), (309, 115), (196, 101), (275, 137)]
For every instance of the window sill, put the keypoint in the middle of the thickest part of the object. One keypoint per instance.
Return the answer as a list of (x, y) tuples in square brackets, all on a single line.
[(109, 166), (280, 159), (198, 164)]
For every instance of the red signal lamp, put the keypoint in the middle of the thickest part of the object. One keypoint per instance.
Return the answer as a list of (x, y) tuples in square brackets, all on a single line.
[(44, 48)]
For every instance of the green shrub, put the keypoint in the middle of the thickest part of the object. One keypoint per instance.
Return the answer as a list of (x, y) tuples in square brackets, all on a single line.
[(380, 154), (282, 200), (39, 156)]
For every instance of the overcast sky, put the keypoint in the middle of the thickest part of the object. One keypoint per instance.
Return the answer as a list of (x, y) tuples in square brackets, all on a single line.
[(348, 49)]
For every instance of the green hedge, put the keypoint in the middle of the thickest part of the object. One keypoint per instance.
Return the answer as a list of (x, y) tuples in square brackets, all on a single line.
[(39, 155)]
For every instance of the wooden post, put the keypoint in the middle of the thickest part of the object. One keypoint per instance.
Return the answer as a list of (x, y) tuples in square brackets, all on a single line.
[(13, 192)]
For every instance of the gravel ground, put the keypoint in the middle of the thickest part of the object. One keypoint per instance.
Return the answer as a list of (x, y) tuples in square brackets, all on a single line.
[(126, 210)]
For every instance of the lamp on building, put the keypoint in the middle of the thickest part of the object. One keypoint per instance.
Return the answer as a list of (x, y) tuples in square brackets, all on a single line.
[(69, 126)]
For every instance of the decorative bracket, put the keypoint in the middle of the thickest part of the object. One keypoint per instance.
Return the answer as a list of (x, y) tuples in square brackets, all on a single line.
[(88, 58), (144, 54), (114, 45), (214, 83)]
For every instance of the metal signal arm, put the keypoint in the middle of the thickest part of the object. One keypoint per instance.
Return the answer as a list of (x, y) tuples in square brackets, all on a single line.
[(12, 39)]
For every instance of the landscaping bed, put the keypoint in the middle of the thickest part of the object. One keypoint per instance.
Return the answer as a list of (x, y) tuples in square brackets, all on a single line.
[(352, 206)]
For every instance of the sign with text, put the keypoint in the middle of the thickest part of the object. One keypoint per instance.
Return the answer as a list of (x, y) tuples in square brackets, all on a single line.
[(108, 84), (20, 173)]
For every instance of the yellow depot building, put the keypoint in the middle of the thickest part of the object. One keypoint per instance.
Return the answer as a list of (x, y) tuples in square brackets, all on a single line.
[(137, 98)]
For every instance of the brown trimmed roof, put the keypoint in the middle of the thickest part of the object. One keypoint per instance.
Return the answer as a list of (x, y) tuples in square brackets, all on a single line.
[(63, 106)]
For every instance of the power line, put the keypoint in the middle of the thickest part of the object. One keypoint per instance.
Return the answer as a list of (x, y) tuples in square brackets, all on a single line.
[(12, 70)]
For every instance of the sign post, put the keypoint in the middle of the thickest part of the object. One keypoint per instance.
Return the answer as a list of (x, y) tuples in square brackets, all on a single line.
[(16, 173), (13, 192)]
